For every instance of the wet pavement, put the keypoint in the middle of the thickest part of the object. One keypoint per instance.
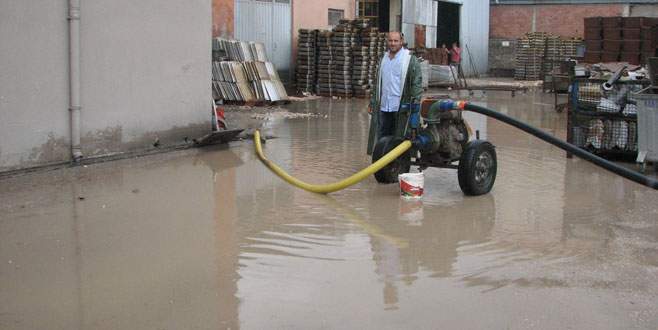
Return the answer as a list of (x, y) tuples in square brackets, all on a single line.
[(211, 239)]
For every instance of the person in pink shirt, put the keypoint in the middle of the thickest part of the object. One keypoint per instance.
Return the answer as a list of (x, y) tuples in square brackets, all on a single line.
[(456, 57), (455, 53)]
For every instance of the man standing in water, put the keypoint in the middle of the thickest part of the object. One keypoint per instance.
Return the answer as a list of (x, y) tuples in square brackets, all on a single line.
[(399, 86)]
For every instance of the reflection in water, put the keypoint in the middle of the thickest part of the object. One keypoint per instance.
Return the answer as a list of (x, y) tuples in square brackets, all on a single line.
[(212, 239)]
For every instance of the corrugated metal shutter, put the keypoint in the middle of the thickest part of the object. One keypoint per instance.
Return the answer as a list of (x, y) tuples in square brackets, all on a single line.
[(475, 35), (269, 22), (419, 12)]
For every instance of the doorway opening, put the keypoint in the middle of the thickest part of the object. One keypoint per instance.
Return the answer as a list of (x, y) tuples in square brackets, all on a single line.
[(384, 15), (447, 29)]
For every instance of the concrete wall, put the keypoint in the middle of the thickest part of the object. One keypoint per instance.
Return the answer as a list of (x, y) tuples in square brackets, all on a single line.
[(145, 74), (644, 10), (34, 126), (513, 21), (502, 57), (223, 15), (395, 10)]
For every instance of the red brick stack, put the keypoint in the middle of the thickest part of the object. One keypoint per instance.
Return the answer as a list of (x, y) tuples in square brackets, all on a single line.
[(625, 39)]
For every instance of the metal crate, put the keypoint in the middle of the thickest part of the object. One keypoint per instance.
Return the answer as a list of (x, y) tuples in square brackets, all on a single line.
[(604, 122), (647, 127)]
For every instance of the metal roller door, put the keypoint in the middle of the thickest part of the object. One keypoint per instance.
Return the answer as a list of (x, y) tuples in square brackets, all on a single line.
[(269, 22)]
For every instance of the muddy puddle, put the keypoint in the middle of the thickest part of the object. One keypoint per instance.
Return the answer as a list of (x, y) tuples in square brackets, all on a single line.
[(212, 239)]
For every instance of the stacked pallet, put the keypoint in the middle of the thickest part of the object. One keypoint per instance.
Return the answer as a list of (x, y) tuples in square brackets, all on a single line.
[(381, 49), (530, 56), (324, 65), (558, 49), (342, 41), (342, 62), (570, 47), (625, 39), (365, 58), (306, 68), (538, 53), (552, 53)]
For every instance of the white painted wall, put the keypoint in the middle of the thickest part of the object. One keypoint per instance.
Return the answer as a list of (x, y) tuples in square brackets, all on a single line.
[(145, 73), (33, 82)]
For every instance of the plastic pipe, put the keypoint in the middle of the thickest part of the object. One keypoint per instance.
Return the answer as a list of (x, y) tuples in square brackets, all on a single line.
[(74, 77), (607, 86), (332, 187)]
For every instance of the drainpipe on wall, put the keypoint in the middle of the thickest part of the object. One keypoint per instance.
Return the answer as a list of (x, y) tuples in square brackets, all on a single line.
[(74, 78)]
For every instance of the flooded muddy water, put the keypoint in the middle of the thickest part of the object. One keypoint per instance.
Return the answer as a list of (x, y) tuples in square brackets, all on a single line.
[(210, 238)]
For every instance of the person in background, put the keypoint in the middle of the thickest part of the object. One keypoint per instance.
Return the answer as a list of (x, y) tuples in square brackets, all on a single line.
[(445, 55), (399, 84), (456, 57)]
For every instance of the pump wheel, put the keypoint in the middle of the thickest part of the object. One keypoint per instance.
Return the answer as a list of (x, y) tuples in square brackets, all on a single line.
[(477, 168), (389, 174)]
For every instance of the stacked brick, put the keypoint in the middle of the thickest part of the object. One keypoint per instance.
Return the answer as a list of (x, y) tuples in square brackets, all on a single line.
[(625, 39), (306, 68)]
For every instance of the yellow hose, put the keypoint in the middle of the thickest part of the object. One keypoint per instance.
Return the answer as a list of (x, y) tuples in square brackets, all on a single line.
[(329, 188)]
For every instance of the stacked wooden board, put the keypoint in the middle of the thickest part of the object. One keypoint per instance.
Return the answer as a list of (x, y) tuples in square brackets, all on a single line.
[(624, 39), (306, 68), (242, 74)]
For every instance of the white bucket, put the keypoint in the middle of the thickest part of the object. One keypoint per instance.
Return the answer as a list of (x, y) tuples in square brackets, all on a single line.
[(411, 184)]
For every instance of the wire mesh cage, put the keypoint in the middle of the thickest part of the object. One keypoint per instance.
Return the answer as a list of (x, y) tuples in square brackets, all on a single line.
[(600, 134), (602, 120)]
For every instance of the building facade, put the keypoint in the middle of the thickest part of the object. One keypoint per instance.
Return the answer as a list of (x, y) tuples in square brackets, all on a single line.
[(430, 23), (425, 23), (514, 18), (511, 19), (144, 72)]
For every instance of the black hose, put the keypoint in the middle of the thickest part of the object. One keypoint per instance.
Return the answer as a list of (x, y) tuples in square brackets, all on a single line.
[(610, 166)]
